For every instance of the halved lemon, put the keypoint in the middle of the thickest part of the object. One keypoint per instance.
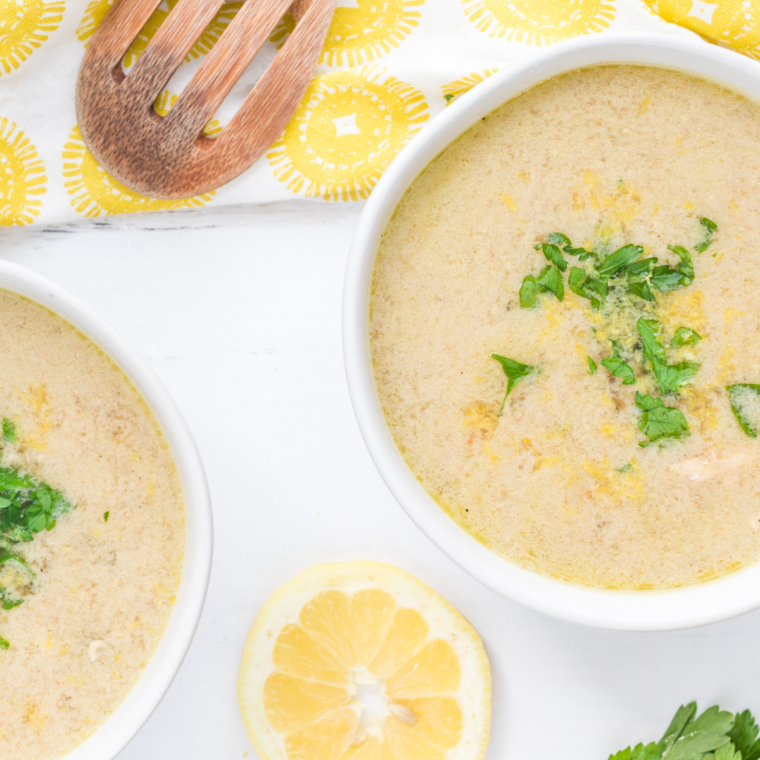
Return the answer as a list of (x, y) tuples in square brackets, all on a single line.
[(362, 661)]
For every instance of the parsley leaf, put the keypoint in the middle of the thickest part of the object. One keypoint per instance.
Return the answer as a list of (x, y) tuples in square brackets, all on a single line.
[(666, 278), (619, 259), (735, 393), (640, 278), (669, 376), (639, 752), (105, 516), (4, 643), (726, 752), (549, 281), (659, 421), (744, 736), (6, 601), (686, 267), (554, 255), (706, 733), (563, 241), (591, 366), (9, 431), (688, 738), (586, 286), (515, 371), (528, 291), (620, 369), (710, 229), (684, 715), (685, 336)]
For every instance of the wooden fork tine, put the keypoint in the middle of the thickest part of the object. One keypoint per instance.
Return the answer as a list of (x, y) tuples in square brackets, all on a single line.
[(169, 46), (168, 157), (119, 28), (226, 62), (265, 109)]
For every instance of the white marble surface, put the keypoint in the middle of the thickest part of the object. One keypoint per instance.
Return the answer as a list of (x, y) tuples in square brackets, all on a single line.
[(239, 312)]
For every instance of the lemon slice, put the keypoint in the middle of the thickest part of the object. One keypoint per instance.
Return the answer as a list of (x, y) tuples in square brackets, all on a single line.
[(362, 661)]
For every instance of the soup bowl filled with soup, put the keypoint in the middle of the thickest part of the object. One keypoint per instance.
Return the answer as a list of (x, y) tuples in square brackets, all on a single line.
[(105, 529), (551, 332)]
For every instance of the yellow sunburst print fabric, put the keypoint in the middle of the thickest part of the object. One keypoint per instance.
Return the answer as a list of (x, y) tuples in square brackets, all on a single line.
[(387, 68)]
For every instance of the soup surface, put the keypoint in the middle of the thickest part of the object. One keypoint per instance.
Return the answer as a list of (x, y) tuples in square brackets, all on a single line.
[(105, 576), (557, 482)]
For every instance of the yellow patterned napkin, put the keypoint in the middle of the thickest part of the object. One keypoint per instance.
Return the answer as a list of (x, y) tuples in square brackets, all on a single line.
[(386, 69)]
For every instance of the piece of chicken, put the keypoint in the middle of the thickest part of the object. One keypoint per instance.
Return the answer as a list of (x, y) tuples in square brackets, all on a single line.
[(710, 465)]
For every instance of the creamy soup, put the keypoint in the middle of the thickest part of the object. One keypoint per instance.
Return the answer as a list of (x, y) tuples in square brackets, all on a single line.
[(97, 589), (620, 160)]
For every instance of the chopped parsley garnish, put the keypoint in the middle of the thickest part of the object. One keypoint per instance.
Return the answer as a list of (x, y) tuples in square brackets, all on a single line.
[(737, 394), (715, 735), (515, 371), (554, 255), (587, 286), (641, 276), (9, 431), (27, 506), (621, 258), (685, 337), (659, 421), (613, 284), (105, 516), (710, 229), (620, 369), (669, 376), (685, 268), (549, 281), (528, 291)]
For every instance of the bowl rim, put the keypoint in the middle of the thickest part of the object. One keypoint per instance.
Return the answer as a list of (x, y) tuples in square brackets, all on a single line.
[(672, 609), (108, 739)]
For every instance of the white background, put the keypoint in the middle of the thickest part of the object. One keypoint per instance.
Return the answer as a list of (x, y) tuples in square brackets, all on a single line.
[(238, 310)]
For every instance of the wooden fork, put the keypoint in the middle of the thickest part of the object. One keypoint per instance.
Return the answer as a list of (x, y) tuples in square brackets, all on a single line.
[(169, 157)]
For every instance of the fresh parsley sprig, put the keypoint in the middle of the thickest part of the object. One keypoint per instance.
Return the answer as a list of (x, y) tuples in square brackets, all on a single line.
[(711, 736)]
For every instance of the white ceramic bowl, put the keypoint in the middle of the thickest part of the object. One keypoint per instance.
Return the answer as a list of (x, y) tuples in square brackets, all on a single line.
[(679, 608), (108, 740)]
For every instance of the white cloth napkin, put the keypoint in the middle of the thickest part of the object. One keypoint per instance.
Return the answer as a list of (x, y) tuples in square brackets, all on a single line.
[(388, 67)]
